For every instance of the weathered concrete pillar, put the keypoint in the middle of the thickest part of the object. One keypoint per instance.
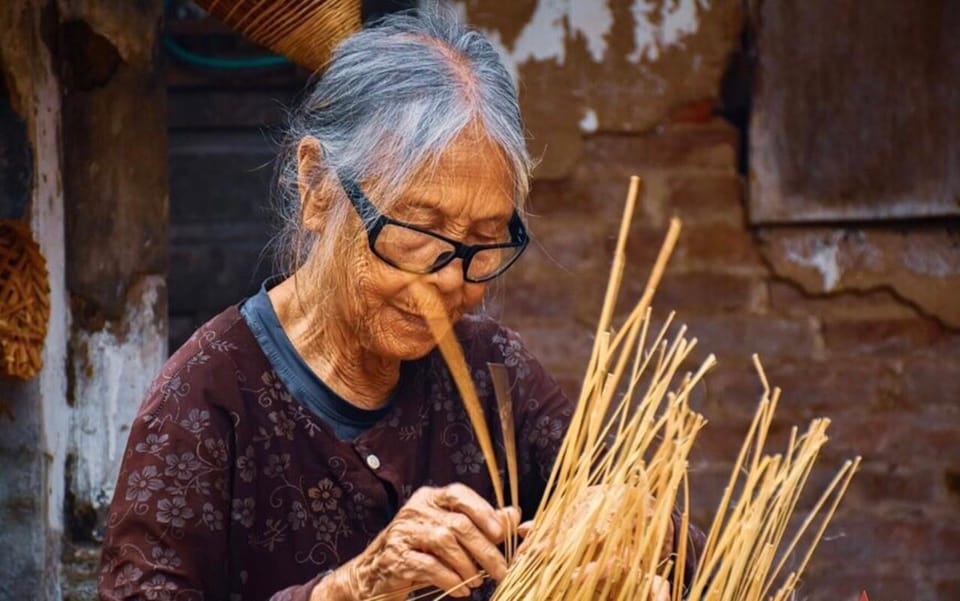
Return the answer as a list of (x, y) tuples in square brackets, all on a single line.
[(34, 443), (115, 193)]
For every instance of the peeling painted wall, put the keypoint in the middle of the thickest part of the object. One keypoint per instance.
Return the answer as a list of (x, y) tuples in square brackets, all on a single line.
[(589, 66), (111, 374), (115, 191)]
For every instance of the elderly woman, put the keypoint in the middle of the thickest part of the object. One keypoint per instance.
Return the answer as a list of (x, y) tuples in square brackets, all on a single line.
[(309, 443)]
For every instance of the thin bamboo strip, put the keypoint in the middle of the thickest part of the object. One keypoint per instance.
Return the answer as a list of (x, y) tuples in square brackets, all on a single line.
[(440, 326), (501, 389)]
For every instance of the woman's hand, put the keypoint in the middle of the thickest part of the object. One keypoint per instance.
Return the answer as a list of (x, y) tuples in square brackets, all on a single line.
[(442, 537)]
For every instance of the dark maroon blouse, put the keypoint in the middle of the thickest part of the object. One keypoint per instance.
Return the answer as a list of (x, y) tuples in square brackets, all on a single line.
[(230, 489)]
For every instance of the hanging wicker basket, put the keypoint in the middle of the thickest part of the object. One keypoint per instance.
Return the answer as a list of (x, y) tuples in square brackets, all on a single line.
[(305, 31), (24, 301)]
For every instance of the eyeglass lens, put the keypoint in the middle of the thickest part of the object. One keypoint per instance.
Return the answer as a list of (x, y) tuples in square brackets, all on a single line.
[(420, 252)]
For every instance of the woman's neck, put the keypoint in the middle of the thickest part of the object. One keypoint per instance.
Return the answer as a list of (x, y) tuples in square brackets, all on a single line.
[(332, 350)]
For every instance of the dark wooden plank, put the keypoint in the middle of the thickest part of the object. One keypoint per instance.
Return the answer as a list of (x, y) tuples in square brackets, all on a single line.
[(204, 109), (857, 111)]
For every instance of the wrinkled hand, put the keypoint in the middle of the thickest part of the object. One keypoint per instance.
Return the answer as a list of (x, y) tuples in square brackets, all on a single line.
[(442, 537)]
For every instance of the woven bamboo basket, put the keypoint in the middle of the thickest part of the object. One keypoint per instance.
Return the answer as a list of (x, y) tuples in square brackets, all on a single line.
[(24, 301), (305, 31)]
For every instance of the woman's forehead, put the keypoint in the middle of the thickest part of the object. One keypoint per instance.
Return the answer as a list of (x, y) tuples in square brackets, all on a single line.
[(470, 175)]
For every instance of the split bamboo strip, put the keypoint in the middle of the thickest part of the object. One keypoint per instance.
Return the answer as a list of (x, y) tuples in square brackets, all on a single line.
[(501, 389), (443, 332)]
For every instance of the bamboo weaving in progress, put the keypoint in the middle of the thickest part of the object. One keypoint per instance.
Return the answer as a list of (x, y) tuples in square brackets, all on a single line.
[(622, 470)]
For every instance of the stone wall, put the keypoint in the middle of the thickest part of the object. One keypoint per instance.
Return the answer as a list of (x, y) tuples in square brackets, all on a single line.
[(854, 321)]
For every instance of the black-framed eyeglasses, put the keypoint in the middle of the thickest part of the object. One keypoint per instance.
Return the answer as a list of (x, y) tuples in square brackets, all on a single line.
[(417, 250)]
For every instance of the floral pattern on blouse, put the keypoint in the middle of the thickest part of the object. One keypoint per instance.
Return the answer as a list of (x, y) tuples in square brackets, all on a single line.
[(230, 489)]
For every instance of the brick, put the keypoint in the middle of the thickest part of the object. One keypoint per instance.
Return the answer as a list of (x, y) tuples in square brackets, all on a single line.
[(570, 243), (919, 264), (599, 199), (790, 299), (721, 247), (838, 579), (947, 589), (862, 538), (888, 337), (710, 147), (810, 388), (533, 291), (902, 439), (701, 292), (736, 337), (641, 249), (879, 483), (705, 198), (933, 385)]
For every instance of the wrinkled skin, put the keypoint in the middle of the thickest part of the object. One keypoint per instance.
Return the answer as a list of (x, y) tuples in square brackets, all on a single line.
[(442, 537)]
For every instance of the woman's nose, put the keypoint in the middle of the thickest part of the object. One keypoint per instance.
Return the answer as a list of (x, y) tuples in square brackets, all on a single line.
[(450, 277)]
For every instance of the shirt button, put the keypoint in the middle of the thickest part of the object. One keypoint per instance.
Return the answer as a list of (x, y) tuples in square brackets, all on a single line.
[(373, 462)]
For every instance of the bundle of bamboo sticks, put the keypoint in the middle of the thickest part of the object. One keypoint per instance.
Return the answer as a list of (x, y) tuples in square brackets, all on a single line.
[(622, 472)]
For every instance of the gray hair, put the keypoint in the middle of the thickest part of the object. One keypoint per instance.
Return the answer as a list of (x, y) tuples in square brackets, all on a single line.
[(390, 100)]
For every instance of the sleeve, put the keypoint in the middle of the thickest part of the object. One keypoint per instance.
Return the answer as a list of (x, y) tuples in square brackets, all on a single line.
[(167, 529), (300, 592)]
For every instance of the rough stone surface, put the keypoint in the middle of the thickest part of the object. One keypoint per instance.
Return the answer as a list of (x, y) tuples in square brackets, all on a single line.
[(919, 264)]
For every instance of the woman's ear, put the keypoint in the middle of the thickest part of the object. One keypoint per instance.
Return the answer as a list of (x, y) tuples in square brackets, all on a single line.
[(314, 202)]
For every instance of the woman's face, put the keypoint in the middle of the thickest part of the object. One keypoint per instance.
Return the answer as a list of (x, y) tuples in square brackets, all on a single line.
[(466, 196)]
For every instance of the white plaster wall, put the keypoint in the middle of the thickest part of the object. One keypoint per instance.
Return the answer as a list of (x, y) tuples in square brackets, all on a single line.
[(111, 376), (47, 223)]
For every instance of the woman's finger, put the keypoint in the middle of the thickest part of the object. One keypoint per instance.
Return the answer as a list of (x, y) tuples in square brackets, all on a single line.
[(477, 545), (443, 543), (425, 569), (525, 528), (463, 499), (660, 590)]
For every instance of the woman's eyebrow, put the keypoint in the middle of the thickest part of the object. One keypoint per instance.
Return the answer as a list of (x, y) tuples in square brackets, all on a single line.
[(436, 207)]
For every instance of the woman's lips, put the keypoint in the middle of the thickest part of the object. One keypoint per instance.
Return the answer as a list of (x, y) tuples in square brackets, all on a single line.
[(417, 318)]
